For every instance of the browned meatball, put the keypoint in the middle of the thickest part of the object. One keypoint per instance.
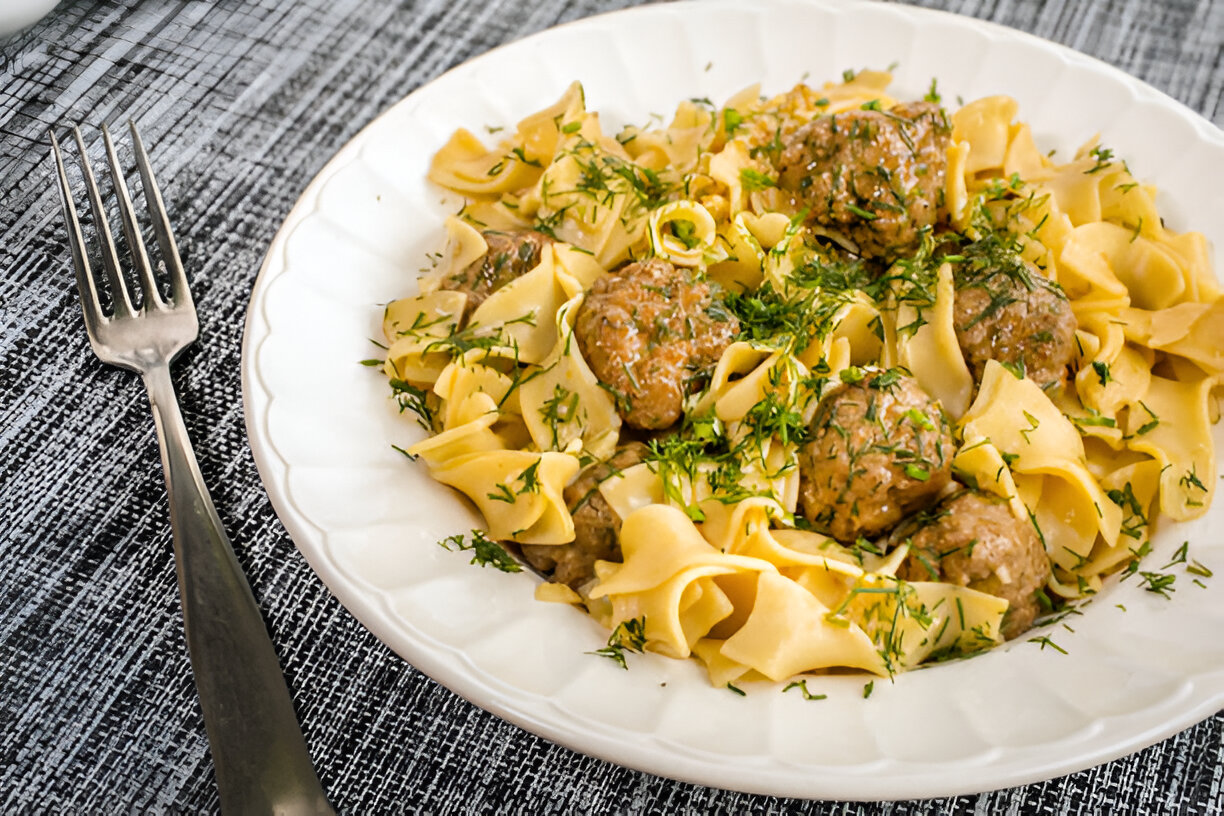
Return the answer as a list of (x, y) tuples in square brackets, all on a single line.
[(974, 540), (880, 449), (876, 176), (596, 526), (1008, 311), (510, 255), (648, 331)]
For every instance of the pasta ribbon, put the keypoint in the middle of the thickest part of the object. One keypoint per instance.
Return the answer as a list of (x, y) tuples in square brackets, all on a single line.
[(979, 465), (664, 555), (466, 389), (576, 270), (956, 191), (465, 165), (413, 326), (909, 622), (1194, 331), (541, 132), (562, 403), (679, 146), (632, 489), (985, 124), (684, 233), (1048, 463), (518, 492), (1022, 157), (932, 353), (788, 633), (1150, 275), (464, 246), (1172, 424), (742, 268), (467, 438), (556, 593), (856, 322), (523, 313), (722, 669), (590, 196), (743, 528)]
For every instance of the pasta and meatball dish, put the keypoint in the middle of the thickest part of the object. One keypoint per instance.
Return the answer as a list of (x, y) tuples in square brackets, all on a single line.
[(819, 381)]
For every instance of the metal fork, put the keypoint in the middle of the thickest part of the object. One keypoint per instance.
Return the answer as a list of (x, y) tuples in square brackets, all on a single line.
[(261, 760)]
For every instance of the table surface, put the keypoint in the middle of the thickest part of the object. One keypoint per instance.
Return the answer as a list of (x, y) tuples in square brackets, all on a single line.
[(242, 103)]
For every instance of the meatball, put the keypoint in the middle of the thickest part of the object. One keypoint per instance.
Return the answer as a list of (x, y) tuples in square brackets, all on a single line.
[(974, 540), (510, 255), (596, 526), (876, 176), (880, 449), (648, 331), (1008, 311)]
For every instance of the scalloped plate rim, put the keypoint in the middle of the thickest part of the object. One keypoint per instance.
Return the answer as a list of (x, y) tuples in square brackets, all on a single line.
[(714, 769)]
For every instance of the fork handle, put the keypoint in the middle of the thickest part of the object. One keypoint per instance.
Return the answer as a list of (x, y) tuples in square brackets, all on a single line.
[(261, 760)]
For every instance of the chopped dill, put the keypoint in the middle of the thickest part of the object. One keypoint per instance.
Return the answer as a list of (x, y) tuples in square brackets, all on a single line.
[(485, 551), (803, 689), (1045, 641), (631, 635)]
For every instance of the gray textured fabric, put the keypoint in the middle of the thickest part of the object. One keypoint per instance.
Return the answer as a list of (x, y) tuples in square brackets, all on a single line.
[(242, 104)]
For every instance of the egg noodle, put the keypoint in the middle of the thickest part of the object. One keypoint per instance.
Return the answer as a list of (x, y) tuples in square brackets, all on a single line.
[(718, 560)]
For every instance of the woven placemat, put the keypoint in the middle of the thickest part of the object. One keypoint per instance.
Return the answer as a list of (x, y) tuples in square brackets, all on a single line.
[(242, 103)]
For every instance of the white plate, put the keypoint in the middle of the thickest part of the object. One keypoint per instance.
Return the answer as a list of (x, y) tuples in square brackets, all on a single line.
[(321, 428), (17, 14)]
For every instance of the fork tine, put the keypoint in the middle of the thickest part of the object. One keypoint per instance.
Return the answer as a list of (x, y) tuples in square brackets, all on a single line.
[(140, 257), (180, 294), (91, 306), (110, 260)]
